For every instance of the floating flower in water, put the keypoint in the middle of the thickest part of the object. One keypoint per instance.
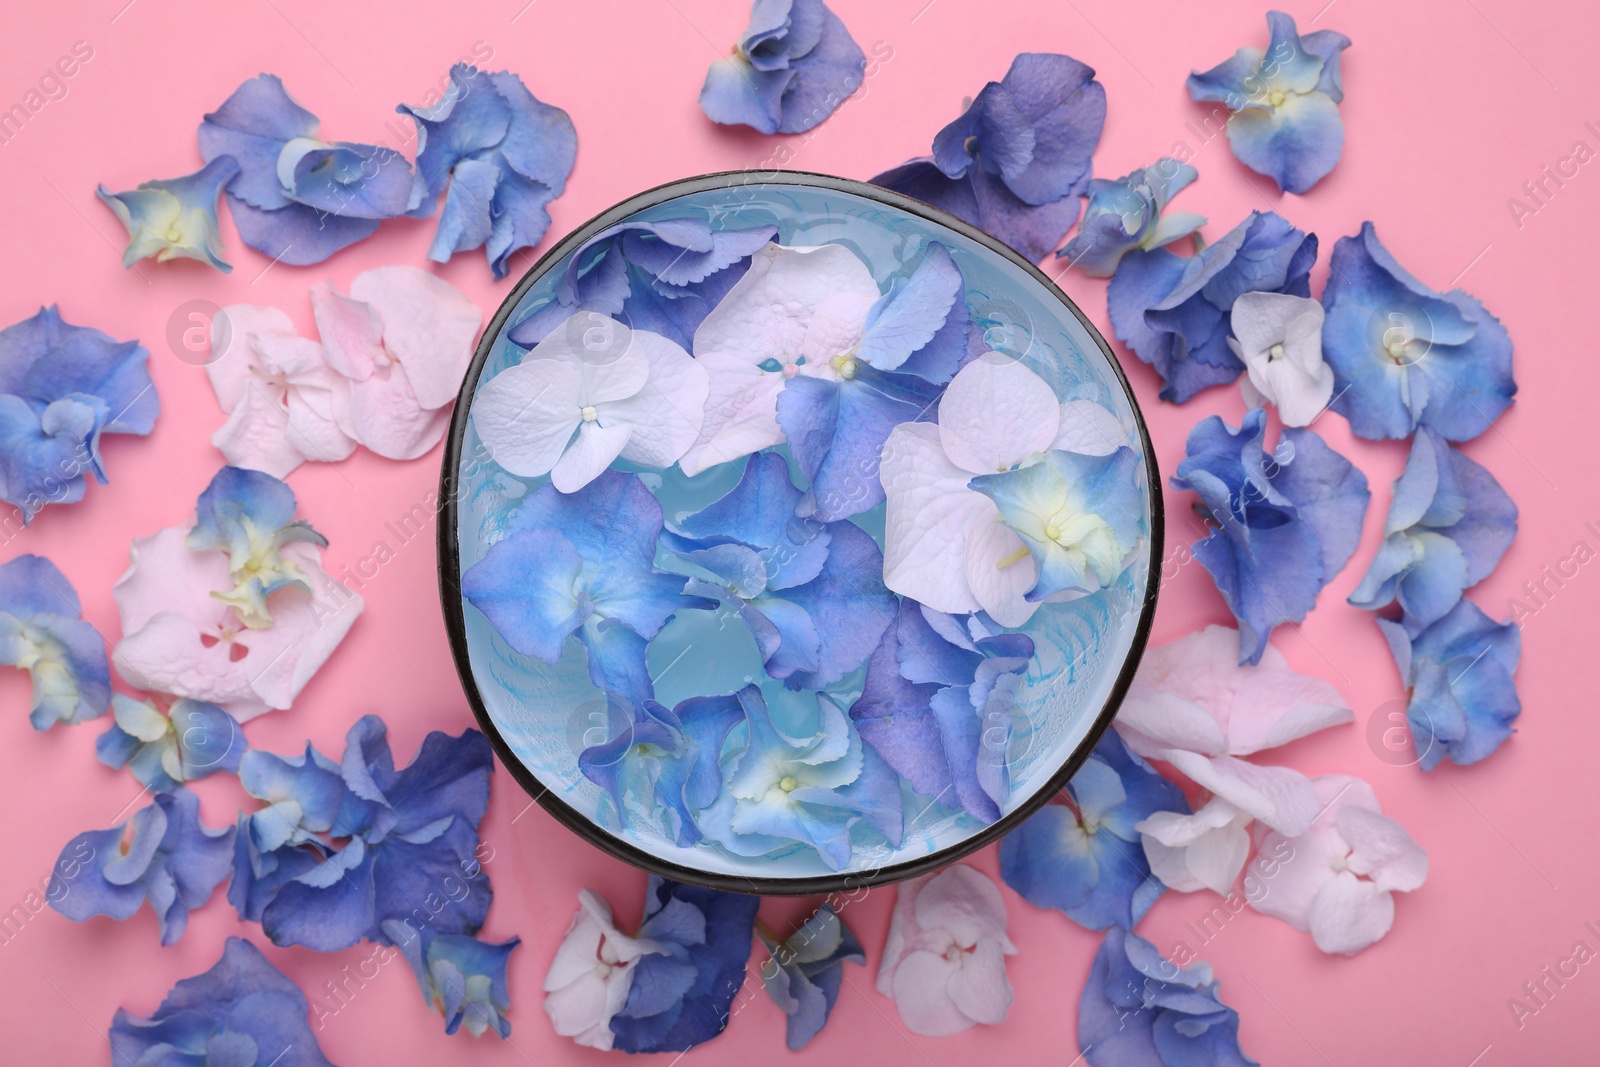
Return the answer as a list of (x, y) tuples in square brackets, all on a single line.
[(803, 974), (175, 218), (499, 154), (462, 978), (42, 631), (1017, 158), (1126, 214), (1285, 103), (192, 740), (1279, 339), (793, 65)]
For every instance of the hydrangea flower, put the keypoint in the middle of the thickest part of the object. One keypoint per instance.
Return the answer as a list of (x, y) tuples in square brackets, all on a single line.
[(782, 790), (1140, 1009), (403, 338), (61, 388), (591, 558), (944, 964), (1084, 857), (409, 840), (1286, 522), (42, 631), (662, 276), (793, 65), (499, 154), (462, 978), (191, 741), (1340, 884), (1195, 706), (250, 516), (591, 392), (1462, 699), (1404, 355), (1174, 312), (175, 218), (811, 592), (805, 342), (803, 974), (1125, 214), (1449, 523), (684, 997), (1017, 159), (303, 797), (1285, 103), (296, 198), (285, 405), (163, 854), (592, 973), (242, 1011), (1278, 337), (936, 705), (946, 543)]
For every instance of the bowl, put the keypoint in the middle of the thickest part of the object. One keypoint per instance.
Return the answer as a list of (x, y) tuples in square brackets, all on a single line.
[(796, 536)]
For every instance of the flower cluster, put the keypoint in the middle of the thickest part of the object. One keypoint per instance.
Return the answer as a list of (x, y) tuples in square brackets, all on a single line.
[(190, 741), (42, 631), (1126, 214), (388, 364), (804, 973), (61, 388), (793, 65)]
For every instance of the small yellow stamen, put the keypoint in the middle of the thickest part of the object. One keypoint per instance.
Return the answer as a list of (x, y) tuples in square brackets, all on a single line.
[(1015, 557), (589, 413), (788, 784), (1277, 97)]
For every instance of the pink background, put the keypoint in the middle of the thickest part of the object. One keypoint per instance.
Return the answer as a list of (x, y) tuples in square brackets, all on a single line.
[(1452, 106)]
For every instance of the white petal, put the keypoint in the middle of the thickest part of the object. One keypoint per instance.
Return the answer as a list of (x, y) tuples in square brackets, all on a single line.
[(997, 575), (428, 325), (667, 413), (590, 453), (1090, 429), (1381, 849), (836, 326), (995, 413), (741, 412), (1284, 799), (1349, 914), (525, 415), (1301, 396), (929, 515), (610, 363), (1152, 719)]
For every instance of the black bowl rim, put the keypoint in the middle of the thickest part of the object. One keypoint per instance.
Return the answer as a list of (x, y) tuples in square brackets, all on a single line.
[(450, 555)]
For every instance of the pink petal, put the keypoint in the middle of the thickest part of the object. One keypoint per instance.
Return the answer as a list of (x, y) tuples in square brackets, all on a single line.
[(386, 416), (1350, 914), (256, 434), (667, 412), (428, 325), (1294, 871), (904, 932), (1202, 667), (164, 575), (922, 993), (1381, 849), (929, 514), (963, 901), (235, 364), (351, 332), (979, 989), (1284, 799), (1275, 706), (1152, 719), (525, 415)]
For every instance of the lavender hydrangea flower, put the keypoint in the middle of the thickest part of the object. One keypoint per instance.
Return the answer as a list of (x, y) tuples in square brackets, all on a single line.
[(251, 516), (1286, 522), (804, 973), (175, 218), (1448, 525), (1174, 311), (462, 978), (1463, 700), (1017, 159), (682, 998), (1404, 355), (243, 1011), (1125, 214), (163, 854), (42, 631), (296, 198), (499, 154), (791, 68), (191, 741), (936, 705), (1285, 103), (61, 388), (1140, 1009), (1086, 859)]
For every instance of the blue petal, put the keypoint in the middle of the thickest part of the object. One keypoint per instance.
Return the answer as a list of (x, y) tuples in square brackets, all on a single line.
[(1067, 109), (252, 126), (296, 234), (147, 213), (44, 359), (469, 118), (349, 180), (526, 586), (541, 143), (912, 312), (825, 75), (1295, 145), (895, 717), (736, 94), (847, 603)]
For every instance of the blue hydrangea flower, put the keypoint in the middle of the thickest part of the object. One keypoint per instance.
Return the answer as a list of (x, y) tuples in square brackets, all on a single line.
[(812, 593), (462, 978), (1086, 858), (61, 387), (302, 798), (803, 974), (1449, 523), (791, 68), (1287, 522), (684, 997), (1140, 1009), (1459, 670), (176, 217), (783, 791), (499, 154), (583, 563), (937, 702), (1404, 355), (661, 276), (1174, 312), (1126, 214), (250, 516), (1285, 103), (1017, 159), (162, 854), (243, 1012), (298, 199), (192, 740), (42, 631)]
